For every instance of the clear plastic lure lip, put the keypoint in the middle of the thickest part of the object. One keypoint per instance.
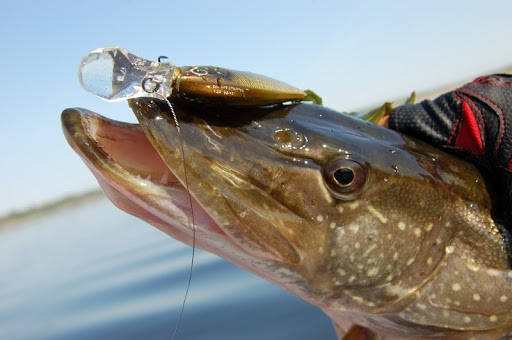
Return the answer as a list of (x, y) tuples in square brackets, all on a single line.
[(114, 74)]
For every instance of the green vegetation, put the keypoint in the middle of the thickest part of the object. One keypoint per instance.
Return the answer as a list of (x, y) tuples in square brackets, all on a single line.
[(64, 202), (312, 97)]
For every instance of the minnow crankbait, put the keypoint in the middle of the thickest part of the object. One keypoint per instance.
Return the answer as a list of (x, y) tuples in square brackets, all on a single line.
[(113, 73)]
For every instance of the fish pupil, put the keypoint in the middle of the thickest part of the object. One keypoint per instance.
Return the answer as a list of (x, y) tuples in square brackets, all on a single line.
[(344, 176)]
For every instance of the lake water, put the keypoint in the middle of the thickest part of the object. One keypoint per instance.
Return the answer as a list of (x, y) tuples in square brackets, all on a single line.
[(94, 272)]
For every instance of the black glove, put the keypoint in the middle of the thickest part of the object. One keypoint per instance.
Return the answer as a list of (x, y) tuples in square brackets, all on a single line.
[(474, 121)]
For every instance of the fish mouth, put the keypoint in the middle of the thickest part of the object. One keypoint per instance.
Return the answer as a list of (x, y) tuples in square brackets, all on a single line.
[(136, 180), (134, 176)]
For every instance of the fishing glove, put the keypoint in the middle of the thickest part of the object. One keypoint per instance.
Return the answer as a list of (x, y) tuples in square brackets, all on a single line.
[(474, 121)]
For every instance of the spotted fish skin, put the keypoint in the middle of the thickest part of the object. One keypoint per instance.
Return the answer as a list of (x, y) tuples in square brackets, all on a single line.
[(416, 253), (407, 247)]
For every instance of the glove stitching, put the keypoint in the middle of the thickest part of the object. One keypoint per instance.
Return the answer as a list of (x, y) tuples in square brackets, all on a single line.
[(491, 81), (455, 127)]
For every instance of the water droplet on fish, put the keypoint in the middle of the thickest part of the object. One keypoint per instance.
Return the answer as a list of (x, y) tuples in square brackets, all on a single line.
[(392, 151), (471, 205), (395, 168), (256, 124), (289, 139)]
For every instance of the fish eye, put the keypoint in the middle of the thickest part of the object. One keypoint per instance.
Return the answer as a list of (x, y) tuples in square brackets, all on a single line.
[(345, 178)]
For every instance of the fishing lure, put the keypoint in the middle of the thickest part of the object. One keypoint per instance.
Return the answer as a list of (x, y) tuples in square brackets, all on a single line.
[(113, 73)]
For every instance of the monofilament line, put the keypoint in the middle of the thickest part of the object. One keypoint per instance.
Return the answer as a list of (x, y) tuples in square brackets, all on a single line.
[(191, 221)]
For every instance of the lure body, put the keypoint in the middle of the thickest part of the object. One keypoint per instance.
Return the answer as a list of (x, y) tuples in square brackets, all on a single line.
[(215, 85), (113, 73)]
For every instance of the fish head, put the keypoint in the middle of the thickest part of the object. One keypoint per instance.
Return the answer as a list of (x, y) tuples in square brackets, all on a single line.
[(350, 216)]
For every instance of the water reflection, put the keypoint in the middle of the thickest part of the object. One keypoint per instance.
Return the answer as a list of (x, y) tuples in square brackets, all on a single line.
[(93, 272)]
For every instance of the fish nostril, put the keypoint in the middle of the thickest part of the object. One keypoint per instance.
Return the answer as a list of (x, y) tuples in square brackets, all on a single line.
[(283, 136), (289, 139)]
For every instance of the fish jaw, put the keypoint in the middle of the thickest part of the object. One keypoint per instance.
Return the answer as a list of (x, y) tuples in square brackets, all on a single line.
[(132, 174), (136, 180)]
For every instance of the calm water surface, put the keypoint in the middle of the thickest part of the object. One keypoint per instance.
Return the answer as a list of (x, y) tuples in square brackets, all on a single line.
[(94, 272)]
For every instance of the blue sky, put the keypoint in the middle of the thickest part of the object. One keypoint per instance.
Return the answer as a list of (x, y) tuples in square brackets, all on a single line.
[(352, 53)]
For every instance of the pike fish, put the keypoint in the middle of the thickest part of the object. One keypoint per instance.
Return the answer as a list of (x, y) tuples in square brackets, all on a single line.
[(390, 237)]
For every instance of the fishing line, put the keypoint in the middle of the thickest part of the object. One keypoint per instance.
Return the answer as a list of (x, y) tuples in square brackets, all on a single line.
[(191, 221), (134, 77)]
